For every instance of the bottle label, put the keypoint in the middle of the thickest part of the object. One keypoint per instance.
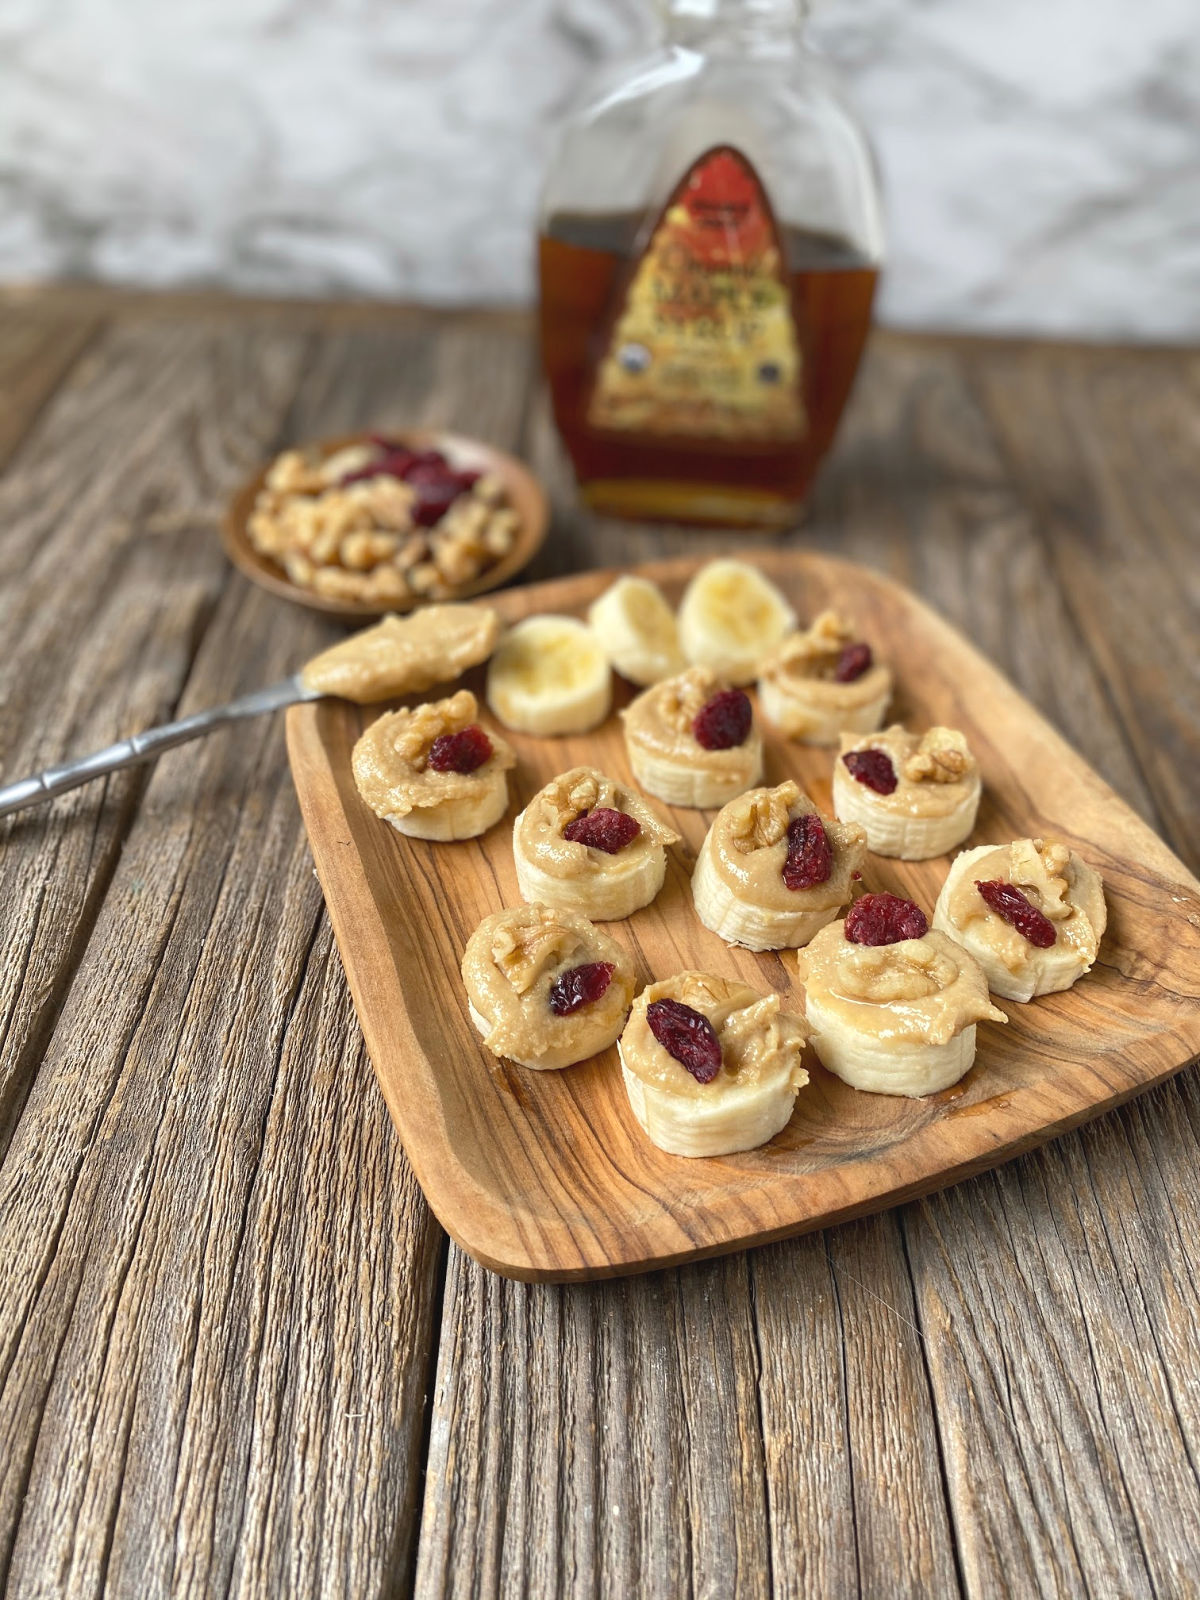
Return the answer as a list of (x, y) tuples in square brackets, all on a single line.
[(703, 343)]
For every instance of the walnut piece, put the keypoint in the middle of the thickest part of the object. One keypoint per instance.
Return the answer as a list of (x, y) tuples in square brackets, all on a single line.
[(525, 953), (1039, 871), (430, 721), (762, 1038), (760, 819), (681, 698), (943, 756), (813, 652), (573, 794)]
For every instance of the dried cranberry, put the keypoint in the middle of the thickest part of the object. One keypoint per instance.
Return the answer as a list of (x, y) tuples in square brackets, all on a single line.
[(872, 767), (809, 856), (436, 483), (603, 829), (429, 467), (724, 721), (580, 986), (688, 1036), (854, 660), (1007, 901), (393, 460), (433, 501), (884, 919), (463, 751)]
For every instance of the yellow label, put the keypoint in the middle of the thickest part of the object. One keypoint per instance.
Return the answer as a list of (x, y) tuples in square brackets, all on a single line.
[(704, 343)]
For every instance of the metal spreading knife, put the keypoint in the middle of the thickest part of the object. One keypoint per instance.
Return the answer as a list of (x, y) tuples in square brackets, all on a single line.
[(149, 745)]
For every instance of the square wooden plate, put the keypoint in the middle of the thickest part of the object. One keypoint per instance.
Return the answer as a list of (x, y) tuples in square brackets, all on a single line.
[(546, 1175)]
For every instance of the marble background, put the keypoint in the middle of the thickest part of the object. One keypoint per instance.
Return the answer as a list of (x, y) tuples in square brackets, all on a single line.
[(1042, 157)]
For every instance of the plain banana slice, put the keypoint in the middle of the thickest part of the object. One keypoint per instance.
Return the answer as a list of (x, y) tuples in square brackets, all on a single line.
[(572, 874), (1058, 883), (896, 1018), (394, 775), (750, 1097), (730, 617), (549, 675), (521, 970), (934, 795), (637, 631)]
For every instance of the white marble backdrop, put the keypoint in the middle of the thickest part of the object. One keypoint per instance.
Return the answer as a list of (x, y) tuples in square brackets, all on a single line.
[(1042, 157)]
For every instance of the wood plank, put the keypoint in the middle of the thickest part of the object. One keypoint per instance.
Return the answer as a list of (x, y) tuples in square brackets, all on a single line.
[(1103, 445), (922, 488), (857, 1500), (922, 501), (756, 1425), (1059, 1304), (37, 350), (221, 1280), (108, 574)]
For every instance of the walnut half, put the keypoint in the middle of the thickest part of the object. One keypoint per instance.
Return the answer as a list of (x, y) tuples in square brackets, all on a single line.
[(943, 756)]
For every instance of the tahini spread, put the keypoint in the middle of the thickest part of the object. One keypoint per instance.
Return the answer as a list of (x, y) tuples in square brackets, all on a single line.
[(403, 655)]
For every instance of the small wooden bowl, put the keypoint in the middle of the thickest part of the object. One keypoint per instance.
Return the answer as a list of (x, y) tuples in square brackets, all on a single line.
[(525, 495)]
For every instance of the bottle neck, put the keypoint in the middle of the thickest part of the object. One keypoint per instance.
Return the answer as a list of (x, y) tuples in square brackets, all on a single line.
[(700, 23)]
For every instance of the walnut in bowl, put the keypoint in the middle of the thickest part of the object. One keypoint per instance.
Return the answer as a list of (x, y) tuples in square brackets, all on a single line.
[(374, 523)]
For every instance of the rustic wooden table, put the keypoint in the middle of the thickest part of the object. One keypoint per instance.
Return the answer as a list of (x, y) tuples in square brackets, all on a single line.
[(237, 1353)]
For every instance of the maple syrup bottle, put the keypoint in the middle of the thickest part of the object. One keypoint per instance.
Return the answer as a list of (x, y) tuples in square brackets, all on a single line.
[(709, 244)]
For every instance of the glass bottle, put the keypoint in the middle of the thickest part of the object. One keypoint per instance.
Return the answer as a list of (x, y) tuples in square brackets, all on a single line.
[(710, 238)]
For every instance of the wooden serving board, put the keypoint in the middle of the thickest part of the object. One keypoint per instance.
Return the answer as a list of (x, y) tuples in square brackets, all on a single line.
[(547, 1175)]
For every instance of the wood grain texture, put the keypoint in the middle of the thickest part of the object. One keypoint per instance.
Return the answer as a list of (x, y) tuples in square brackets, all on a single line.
[(107, 579), (36, 353), (1116, 488), (1019, 1405), (546, 1175)]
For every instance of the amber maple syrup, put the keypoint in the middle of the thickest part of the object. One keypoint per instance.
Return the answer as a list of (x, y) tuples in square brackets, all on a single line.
[(585, 262)]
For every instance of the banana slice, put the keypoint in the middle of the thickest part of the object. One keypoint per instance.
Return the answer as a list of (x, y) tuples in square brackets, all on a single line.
[(544, 987), (457, 795), (823, 682), (637, 631), (1059, 888), (893, 1018), (772, 871), (549, 675), (916, 795), (667, 757), (710, 1066), (606, 871), (730, 617)]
